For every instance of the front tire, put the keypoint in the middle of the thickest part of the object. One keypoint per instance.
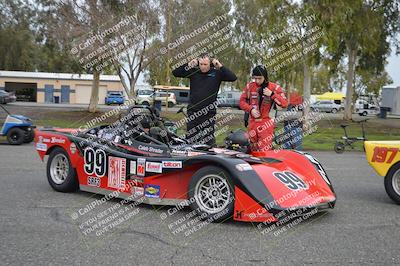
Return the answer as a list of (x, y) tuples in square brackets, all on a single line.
[(334, 111), (60, 173), (15, 136), (212, 192), (392, 183)]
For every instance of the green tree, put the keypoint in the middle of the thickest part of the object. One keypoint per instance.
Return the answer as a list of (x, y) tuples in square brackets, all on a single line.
[(361, 28), (178, 20)]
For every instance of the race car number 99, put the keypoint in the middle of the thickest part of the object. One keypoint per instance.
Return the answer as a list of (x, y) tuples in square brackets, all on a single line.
[(291, 180), (95, 162)]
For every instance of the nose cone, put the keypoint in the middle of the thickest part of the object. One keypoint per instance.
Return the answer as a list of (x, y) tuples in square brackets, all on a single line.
[(293, 189)]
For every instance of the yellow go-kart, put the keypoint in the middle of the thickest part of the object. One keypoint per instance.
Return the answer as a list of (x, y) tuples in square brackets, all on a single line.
[(384, 157)]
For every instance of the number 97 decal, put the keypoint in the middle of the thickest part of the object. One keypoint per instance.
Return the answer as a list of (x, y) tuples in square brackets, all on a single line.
[(291, 180)]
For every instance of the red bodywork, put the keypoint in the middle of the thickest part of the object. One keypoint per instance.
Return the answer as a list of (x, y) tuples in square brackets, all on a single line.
[(174, 184)]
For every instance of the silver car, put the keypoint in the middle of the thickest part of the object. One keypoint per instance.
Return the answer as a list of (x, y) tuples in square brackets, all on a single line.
[(229, 99), (326, 106), (7, 97), (146, 97)]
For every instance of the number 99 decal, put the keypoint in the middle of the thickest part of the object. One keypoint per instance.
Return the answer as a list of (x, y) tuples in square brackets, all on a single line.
[(291, 180), (95, 162)]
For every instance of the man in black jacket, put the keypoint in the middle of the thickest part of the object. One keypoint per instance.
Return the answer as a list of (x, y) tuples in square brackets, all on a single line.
[(205, 76)]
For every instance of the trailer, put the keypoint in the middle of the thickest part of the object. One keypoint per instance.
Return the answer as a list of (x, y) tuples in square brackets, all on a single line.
[(390, 100)]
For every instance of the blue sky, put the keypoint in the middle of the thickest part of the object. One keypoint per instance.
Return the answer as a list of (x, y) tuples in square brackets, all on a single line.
[(393, 68)]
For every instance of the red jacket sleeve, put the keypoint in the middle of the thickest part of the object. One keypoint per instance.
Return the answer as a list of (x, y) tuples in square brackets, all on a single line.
[(279, 97), (243, 104)]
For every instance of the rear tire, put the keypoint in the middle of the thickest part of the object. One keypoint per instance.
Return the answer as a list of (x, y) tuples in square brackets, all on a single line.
[(392, 183), (15, 136), (334, 111), (339, 147), (213, 194), (364, 113), (60, 173), (29, 136)]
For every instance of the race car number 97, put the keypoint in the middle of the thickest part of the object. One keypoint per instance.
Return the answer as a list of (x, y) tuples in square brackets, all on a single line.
[(291, 180), (95, 162)]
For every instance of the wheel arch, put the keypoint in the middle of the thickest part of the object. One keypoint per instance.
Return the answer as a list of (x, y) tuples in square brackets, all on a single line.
[(391, 168), (248, 181), (70, 156)]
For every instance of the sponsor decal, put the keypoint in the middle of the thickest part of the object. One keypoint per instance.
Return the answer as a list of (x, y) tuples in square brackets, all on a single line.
[(243, 167), (152, 191), (93, 181), (141, 167), (172, 164), (52, 140), (243, 155), (116, 172), (153, 167), (194, 153), (224, 151), (72, 148), (41, 146), (43, 140), (132, 167), (178, 152), (150, 149), (137, 192), (239, 214), (57, 140)]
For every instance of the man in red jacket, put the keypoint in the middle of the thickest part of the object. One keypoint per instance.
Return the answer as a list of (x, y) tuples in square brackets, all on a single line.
[(257, 99)]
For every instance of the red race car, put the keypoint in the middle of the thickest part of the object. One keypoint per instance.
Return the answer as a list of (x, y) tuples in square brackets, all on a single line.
[(138, 158)]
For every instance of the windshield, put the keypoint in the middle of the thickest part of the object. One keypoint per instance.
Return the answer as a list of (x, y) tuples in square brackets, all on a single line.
[(115, 93), (145, 92)]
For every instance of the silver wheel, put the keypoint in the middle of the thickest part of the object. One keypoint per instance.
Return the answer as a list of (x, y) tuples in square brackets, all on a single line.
[(396, 182), (212, 193), (59, 169)]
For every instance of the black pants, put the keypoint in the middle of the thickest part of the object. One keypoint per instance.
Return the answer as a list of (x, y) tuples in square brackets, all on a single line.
[(200, 127)]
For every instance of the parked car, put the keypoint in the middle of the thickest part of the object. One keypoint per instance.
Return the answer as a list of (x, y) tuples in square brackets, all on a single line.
[(146, 97), (163, 96), (114, 97), (326, 106), (143, 97), (363, 108), (7, 97), (229, 99)]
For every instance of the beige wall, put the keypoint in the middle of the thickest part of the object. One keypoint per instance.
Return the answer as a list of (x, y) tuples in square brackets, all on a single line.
[(82, 88)]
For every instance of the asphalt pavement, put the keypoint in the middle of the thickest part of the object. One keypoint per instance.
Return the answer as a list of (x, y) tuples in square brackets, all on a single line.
[(40, 226)]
